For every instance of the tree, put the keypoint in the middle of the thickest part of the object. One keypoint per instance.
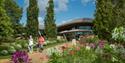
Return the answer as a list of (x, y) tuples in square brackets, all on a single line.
[(5, 23), (50, 26), (103, 22), (118, 12), (15, 13), (32, 20)]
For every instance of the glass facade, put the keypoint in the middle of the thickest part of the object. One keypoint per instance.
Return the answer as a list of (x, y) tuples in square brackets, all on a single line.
[(85, 27)]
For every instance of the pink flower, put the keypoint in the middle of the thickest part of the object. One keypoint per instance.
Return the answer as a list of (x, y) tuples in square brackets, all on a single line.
[(101, 44), (92, 45)]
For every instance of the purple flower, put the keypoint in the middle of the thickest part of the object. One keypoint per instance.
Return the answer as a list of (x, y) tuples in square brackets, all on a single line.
[(92, 45), (20, 57), (101, 44)]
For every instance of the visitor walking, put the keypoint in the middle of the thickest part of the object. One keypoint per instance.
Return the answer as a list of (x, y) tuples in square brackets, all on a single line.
[(41, 41), (30, 45)]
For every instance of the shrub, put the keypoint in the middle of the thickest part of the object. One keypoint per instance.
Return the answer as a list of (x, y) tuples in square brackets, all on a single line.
[(25, 45), (11, 49), (94, 39), (18, 47), (4, 52), (118, 34), (3, 47), (12, 44), (72, 55)]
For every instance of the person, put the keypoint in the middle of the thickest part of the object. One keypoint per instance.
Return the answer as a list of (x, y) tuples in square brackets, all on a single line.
[(30, 45), (41, 41)]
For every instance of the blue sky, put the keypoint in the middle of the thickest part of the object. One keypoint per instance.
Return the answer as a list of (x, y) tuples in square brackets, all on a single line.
[(65, 10)]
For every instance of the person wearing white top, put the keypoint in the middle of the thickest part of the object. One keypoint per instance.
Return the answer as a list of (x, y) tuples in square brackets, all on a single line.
[(30, 45)]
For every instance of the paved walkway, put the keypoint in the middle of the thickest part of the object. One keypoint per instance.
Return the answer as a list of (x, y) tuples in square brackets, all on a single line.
[(36, 57)]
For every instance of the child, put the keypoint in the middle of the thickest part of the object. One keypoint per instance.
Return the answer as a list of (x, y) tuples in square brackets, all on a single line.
[(30, 45)]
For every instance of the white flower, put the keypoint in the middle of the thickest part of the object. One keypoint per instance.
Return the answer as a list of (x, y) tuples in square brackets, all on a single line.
[(112, 46), (87, 47)]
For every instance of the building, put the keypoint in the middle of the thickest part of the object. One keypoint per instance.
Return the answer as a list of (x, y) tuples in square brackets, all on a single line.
[(75, 28)]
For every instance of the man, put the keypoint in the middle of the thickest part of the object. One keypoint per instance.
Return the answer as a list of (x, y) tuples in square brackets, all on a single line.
[(30, 45)]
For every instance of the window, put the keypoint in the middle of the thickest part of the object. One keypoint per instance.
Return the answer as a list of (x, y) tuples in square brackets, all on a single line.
[(85, 27)]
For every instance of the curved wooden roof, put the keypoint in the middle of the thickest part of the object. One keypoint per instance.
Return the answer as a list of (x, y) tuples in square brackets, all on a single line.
[(74, 30), (79, 22), (75, 21)]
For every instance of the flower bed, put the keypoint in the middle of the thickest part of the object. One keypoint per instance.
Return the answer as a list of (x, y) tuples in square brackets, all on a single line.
[(102, 52)]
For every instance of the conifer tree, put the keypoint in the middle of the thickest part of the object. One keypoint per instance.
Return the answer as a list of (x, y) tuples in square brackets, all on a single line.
[(5, 23), (119, 12), (32, 20), (103, 19), (14, 12), (50, 26)]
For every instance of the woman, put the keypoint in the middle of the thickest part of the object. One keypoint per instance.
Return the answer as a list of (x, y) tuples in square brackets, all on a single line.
[(41, 41)]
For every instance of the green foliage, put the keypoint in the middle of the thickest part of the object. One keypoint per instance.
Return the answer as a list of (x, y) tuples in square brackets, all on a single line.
[(3, 47), (18, 47), (82, 56), (13, 11), (32, 20), (118, 34), (103, 23), (108, 55), (108, 13), (3, 52), (15, 46), (94, 39), (5, 23), (107, 48), (11, 50), (50, 26), (118, 13)]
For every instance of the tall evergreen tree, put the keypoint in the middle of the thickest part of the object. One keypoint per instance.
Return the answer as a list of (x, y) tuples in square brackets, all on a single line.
[(15, 13), (32, 20), (50, 26), (119, 12), (5, 23), (103, 19)]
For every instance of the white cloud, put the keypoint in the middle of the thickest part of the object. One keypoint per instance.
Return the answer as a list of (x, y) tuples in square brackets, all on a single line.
[(61, 5), (26, 5), (41, 22)]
